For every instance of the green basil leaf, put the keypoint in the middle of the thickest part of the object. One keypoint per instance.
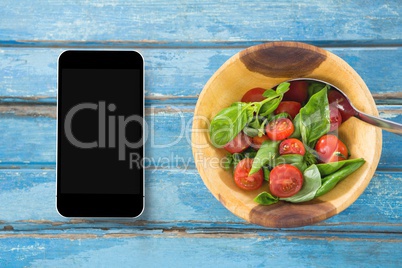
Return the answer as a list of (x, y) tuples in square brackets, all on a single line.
[(302, 166), (314, 118), (312, 182), (310, 157), (267, 153), (279, 116), (282, 88), (252, 132), (315, 87), (292, 159), (228, 161), (266, 199), (288, 159), (266, 171), (270, 93), (329, 168), (250, 154), (269, 107), (296, 123), (330, 181), (261, 130), (228, 123), (236, 158), (273, 99)]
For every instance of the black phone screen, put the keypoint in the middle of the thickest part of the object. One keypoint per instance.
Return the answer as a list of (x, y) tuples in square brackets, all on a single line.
[(100, 132)]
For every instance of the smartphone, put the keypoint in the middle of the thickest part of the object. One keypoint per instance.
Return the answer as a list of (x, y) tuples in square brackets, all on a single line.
[(100, 134)]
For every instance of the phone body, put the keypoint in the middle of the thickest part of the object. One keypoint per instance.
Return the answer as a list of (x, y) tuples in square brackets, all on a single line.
[(100, 134)]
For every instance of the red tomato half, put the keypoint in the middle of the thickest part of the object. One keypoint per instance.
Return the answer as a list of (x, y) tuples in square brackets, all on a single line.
[(238, 144), (257, 141), (298, 91), (330, 149), (291, 146), (254, 95), (285, 180), (279, 129), (290, 107), (243, 180), (335, 117)]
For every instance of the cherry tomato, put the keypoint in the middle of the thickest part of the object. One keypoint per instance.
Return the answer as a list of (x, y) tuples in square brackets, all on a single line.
[(298, 91), (285, 180), (238, 144), (330, 149), (279, 129), (291, 146), (290, 107), (243, 180), (254, 95), (257, 141), (335, 117)]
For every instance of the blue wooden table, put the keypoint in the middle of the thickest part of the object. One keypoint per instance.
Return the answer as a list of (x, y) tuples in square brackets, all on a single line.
[(184, 43)]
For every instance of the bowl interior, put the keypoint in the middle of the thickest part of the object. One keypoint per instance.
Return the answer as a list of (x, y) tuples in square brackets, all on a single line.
[(265, 66)]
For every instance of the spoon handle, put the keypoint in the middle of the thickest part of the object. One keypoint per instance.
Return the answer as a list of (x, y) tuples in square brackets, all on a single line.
[(382, 123)]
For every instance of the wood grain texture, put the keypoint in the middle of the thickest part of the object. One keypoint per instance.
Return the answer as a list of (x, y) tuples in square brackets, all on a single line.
[(184, 43), (194, 21), (283, 59), (156, 250), (179, 199), (172, 74)]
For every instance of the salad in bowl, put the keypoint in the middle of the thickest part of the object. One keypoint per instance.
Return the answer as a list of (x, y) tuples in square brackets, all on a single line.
[(284, 141)]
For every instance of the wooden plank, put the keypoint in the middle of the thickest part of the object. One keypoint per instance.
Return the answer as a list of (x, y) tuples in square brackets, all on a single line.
[(31, 140), (178, 75), (178, 250), (200, 21), (179, 199)]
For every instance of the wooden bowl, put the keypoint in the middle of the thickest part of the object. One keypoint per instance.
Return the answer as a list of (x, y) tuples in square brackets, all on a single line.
[(267, 65)]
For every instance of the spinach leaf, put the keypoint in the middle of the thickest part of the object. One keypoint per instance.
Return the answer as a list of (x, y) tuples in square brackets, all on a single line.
[(267, 152), (302, 166), (266, 198), (315, 87), (279, 116), (229, 122), (252, 132), (270, 94), (282, 88), (288, 159), (296, 123), (227, 162), (273, 99), (330, 181), (269, 107), (231, 160), (312, 182), (256, 127), (329, 168), (292, 159), (314, 118), (310, 157), (266, 173)]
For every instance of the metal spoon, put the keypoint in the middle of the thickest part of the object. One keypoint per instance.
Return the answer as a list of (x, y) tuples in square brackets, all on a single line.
[(347, 109)]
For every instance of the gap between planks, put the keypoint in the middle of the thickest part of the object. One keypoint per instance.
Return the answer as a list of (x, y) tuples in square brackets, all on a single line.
[(50, 110), (33, 110), (373, 43), (218, 234)]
